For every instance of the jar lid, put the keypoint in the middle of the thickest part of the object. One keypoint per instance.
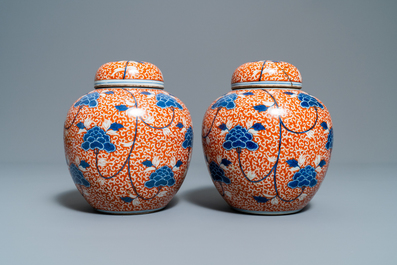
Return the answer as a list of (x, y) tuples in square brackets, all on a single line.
[(266, 74), (129, 74)]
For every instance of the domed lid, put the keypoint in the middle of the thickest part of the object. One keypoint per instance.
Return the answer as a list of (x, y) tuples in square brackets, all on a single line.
[(128, 74), (266, 74)]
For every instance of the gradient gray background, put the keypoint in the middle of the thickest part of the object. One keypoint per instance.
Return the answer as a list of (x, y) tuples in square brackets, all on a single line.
[(49, 53), (345, 50)]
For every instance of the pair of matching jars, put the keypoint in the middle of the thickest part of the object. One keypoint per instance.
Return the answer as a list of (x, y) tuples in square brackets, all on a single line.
[(267, 144)]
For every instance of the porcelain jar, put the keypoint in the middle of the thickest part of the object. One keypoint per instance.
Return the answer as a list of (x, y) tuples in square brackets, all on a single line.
[(267, 143), (128, 143)]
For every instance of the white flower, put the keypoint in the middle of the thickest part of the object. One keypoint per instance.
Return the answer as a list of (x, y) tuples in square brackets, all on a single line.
[(293, 169), (207, 140), (229, 124), (310, 134), (317, 160), (301, 160), (149, 119), (270, 71), (77, 160), (318, 169), (249, 123), (106, 124), (166, 131), (117, 71), (136, 202), (223, 166), (132, 70), (130, 103), (252, 131), (81, 131), (272, 159), (149, 169), (302, 197), (82, 169), (156, 161), (268, 103), (228, 194), (274, 201), (128, 144), (162, 194), (102, 162), (251, 175), (101, 181), (219, 159), (112, 132), (173, 162), (135, 112), (87, 122)]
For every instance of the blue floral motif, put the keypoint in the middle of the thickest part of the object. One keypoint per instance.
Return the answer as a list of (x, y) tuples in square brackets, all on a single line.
[(96, 138), (90, 100), (308, 101), (77, 176), (239, 137), (161, 177), (188, 138), (305, 177), (330, 140), (226, 101), (166, 101), (218, 174)]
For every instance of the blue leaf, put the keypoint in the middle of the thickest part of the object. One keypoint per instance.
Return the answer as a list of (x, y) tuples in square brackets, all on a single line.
[(84, 164), (289, 93), (322, 163), (179, 125), (146, 93), (109, 92), (80, 125), (324, 125), (121, 107), (115, 126), (261, 199), (147, 163), (222, 126), (179, 163), (248, 94), (292, 163), (225, 162), (260, 108), (258, 127), (126, 199)]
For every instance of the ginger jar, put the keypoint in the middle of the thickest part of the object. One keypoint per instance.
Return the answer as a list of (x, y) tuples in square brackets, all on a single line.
[(128, 143), (267, 143)]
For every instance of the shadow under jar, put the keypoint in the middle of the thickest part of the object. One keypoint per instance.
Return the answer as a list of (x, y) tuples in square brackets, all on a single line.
[(267, 144), (128, 143)]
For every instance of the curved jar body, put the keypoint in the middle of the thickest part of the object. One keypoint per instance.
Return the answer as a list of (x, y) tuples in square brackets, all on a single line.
[(267, 149), (128, 148)]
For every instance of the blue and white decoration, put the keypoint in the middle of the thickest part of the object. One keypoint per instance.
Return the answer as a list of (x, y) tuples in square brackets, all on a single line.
[(240, 138)]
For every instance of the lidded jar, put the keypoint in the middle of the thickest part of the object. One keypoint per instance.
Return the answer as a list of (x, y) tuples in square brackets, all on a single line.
[(267, 143), (128, 143)]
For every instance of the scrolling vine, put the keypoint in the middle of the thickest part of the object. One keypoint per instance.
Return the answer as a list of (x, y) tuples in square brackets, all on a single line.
[(239, 137), (98, 139)]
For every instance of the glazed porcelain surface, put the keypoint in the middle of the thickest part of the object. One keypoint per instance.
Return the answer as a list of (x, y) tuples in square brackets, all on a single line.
[(267, 143), (128, 143)]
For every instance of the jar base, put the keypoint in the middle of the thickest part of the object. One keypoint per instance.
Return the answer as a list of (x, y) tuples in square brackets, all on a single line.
[(266, 213), (130, 212)]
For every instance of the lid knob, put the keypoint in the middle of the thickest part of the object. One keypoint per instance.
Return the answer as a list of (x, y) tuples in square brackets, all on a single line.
[(266, 73), (129, 74)]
